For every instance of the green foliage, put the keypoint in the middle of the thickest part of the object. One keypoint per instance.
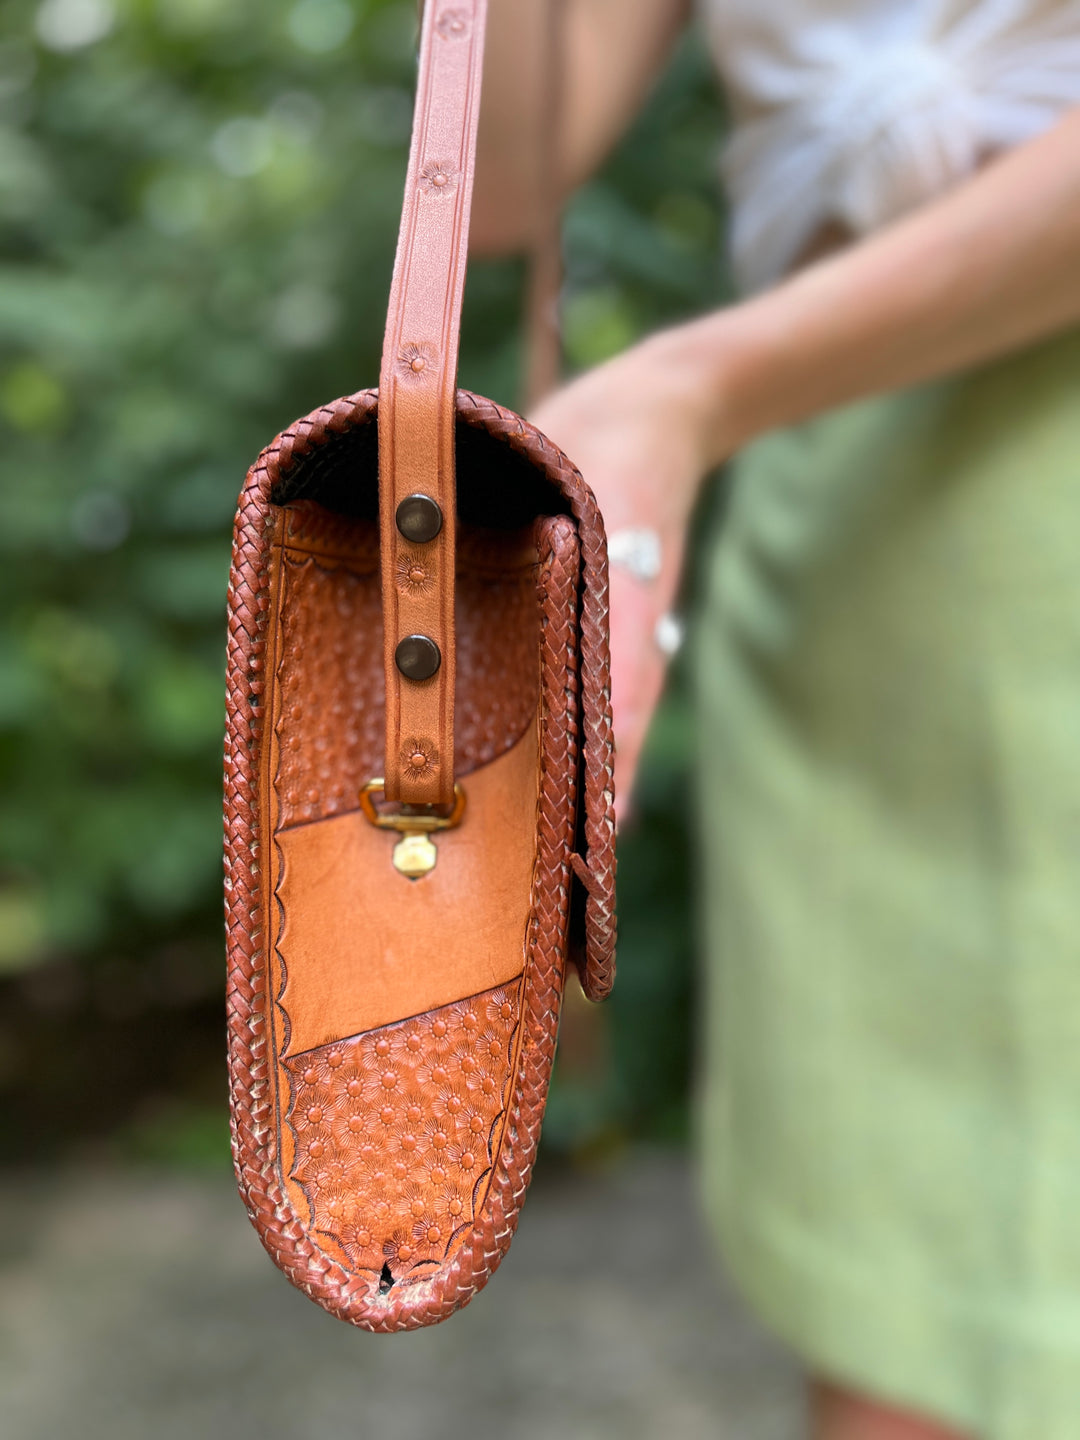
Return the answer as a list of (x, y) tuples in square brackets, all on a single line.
[(643, 239), (199, 211), (198, 205)]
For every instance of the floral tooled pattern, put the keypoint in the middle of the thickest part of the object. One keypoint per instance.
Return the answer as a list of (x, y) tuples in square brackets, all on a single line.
[(438, 177), (395, 1128), (330, 724), (453, 24), (311, 527), (417, 360), (497, 685), (419, 757), (412, 573)]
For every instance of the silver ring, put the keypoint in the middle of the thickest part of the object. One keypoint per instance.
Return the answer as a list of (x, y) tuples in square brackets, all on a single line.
[(637, 551), (669, 634)]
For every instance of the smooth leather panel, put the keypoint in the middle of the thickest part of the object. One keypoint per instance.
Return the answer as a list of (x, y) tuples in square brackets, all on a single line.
[(362, 946)]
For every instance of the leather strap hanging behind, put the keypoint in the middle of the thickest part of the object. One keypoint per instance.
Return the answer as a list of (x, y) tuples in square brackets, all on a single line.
[(543, 339), (417, 387)]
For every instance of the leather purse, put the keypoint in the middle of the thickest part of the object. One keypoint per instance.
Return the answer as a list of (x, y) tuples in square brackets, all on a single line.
[(418, 786)]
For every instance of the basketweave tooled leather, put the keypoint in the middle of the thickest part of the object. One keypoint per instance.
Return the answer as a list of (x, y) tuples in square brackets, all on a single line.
[(391, 1040)]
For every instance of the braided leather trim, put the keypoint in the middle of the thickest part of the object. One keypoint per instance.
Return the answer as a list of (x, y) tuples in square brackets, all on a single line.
[(283, 1232), (597, 970)]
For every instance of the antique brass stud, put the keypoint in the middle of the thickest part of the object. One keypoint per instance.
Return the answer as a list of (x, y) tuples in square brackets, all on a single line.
[(417, 657), (418, 517)]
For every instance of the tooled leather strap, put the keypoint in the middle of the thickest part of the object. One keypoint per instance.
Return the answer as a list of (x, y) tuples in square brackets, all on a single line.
[(417, 389)]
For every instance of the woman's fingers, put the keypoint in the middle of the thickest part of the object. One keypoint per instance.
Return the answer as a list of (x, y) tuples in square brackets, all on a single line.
[(636, 445)]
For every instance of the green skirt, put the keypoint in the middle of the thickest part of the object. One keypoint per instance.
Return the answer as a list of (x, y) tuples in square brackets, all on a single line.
[(889, 680)]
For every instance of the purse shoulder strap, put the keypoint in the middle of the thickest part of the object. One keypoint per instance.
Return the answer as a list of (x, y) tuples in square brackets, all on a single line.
[(417, 392), (543, 340)]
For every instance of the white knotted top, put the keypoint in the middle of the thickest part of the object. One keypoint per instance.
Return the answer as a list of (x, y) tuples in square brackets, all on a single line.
[(853, 111)]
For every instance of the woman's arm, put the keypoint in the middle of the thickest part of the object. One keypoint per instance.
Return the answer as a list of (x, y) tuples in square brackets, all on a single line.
[(609, 53), (989, 267)]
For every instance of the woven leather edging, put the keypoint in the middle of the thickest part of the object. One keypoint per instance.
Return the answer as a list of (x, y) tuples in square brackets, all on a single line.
[(254, 1134), (598, 744)]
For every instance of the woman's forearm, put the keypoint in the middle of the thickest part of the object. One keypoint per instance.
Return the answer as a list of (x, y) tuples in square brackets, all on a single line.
[(990, 267), (607, 53)]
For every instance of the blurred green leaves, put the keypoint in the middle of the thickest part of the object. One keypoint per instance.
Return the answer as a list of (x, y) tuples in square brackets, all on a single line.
[(643, 240), (31, 398), (199, 205)]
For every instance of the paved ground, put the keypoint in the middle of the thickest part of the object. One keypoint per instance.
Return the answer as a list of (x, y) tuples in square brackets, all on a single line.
[(138, 1306)]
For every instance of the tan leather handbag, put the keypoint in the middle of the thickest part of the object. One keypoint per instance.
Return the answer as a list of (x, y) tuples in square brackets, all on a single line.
[(419, 818)]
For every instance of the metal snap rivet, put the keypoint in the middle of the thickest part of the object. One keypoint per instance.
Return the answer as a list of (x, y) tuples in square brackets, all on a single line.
[(418, 518), (417, 657)]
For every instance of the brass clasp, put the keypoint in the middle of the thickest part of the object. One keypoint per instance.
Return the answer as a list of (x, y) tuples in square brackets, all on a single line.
[(415, 853)]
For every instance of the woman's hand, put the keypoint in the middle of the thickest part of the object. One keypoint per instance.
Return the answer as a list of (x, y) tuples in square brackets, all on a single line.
[(990, 266), (633, 428)]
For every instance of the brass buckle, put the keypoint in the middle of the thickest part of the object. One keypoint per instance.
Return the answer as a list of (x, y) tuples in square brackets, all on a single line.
[(415, 853)]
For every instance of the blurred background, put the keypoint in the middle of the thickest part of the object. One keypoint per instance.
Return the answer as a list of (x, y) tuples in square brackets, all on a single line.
[(199, 207)]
